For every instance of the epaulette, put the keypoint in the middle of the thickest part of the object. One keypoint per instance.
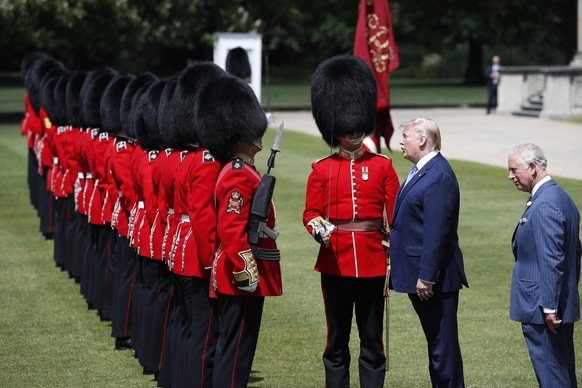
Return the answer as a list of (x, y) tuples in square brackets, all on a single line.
[(103, 136), (183, 155), (121, 145), (382, 155), (168, 151), (152, 155), (207, 157), (319, 160), (238, 164)]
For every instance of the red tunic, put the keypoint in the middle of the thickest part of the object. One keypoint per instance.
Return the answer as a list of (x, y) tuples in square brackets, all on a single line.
[(346, 189), (147, 204), (235, 189), (137, 208), (42, 142), (57, 143), (85, 181), (109, 191), (159, 224), (169, 221), (97, 167), (120, 170), (69, 160), (197, 240)]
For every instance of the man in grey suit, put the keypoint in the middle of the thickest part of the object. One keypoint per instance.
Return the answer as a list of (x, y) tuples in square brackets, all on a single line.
[(544, 287)]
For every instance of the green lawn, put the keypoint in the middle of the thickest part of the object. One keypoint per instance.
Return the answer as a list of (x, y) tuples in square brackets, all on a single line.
[(404, 93), (48, 337)]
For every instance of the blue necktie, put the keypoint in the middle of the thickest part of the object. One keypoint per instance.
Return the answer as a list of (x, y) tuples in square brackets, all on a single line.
[(411, 174)]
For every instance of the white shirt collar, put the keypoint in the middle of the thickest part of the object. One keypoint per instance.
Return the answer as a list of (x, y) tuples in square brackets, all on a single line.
[(425, 159), (541, 182)]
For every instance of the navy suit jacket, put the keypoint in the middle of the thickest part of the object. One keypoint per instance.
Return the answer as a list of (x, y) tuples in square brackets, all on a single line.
[(424, 243), (546, 246)]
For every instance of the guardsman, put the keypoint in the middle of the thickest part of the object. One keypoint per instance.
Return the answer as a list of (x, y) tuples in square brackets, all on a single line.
[(58, 143), (96, 162), (151, 315), (45, 70), (74, 232), (240, 278), (30, 125), (120, 170), (190, 258), (111, 123), (348, 194)]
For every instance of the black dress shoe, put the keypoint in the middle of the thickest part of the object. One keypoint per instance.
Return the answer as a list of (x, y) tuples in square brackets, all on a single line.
[(147, 371), (122, 343)]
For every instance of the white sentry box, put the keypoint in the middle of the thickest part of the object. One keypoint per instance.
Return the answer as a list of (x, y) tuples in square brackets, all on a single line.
[(252, 43)]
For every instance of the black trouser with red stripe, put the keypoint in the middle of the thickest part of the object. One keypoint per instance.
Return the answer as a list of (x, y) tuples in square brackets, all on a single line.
[(239, 320), (341, 294)]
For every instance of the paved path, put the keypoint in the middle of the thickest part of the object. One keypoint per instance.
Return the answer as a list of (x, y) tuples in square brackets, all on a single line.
[(469, 134)]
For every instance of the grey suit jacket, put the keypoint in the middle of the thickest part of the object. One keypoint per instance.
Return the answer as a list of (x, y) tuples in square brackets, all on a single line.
[(547, 250)]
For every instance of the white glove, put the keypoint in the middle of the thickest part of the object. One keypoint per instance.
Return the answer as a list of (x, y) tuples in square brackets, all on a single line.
[(321, 230)]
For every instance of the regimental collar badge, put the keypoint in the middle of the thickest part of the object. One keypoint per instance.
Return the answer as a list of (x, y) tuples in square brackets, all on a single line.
[(235, 202), (349, 155), (207, 157), (152, 155)]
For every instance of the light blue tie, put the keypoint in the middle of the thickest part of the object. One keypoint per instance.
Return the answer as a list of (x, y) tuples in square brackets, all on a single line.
[(411, 174)]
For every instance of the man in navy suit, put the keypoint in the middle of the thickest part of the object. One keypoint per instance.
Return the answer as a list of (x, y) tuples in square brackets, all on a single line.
[(427, 262), (544, 288), (492, 78)]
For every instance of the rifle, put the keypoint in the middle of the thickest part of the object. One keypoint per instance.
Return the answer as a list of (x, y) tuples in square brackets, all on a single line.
[(257, 227)]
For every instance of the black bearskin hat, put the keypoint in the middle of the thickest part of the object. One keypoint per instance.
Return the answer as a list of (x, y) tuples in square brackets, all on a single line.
[(60, 110), (228, 115), (93, 88), (74, 103), (189, 83), (237, 63), (133, 91), (47, 93), (343, 98), (111, 103), (152, 105), (42, 66), (145, 117), (166, 119), (27, 64)]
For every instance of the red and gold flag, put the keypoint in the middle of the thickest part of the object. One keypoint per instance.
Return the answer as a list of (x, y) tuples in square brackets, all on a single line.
[(375, 44)]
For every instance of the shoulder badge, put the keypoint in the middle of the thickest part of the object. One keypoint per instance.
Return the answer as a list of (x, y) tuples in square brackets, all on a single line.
[(103, 136), (121, 145), (319, 160), (94, 133), (235, 202), (61, 130), (207, 157), (382, 155), (152, 155), (168, 151), (183, 155), (238, 164)]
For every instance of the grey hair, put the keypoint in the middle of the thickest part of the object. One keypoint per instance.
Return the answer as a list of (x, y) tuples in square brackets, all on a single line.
[(530, 153), (425, 127)]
